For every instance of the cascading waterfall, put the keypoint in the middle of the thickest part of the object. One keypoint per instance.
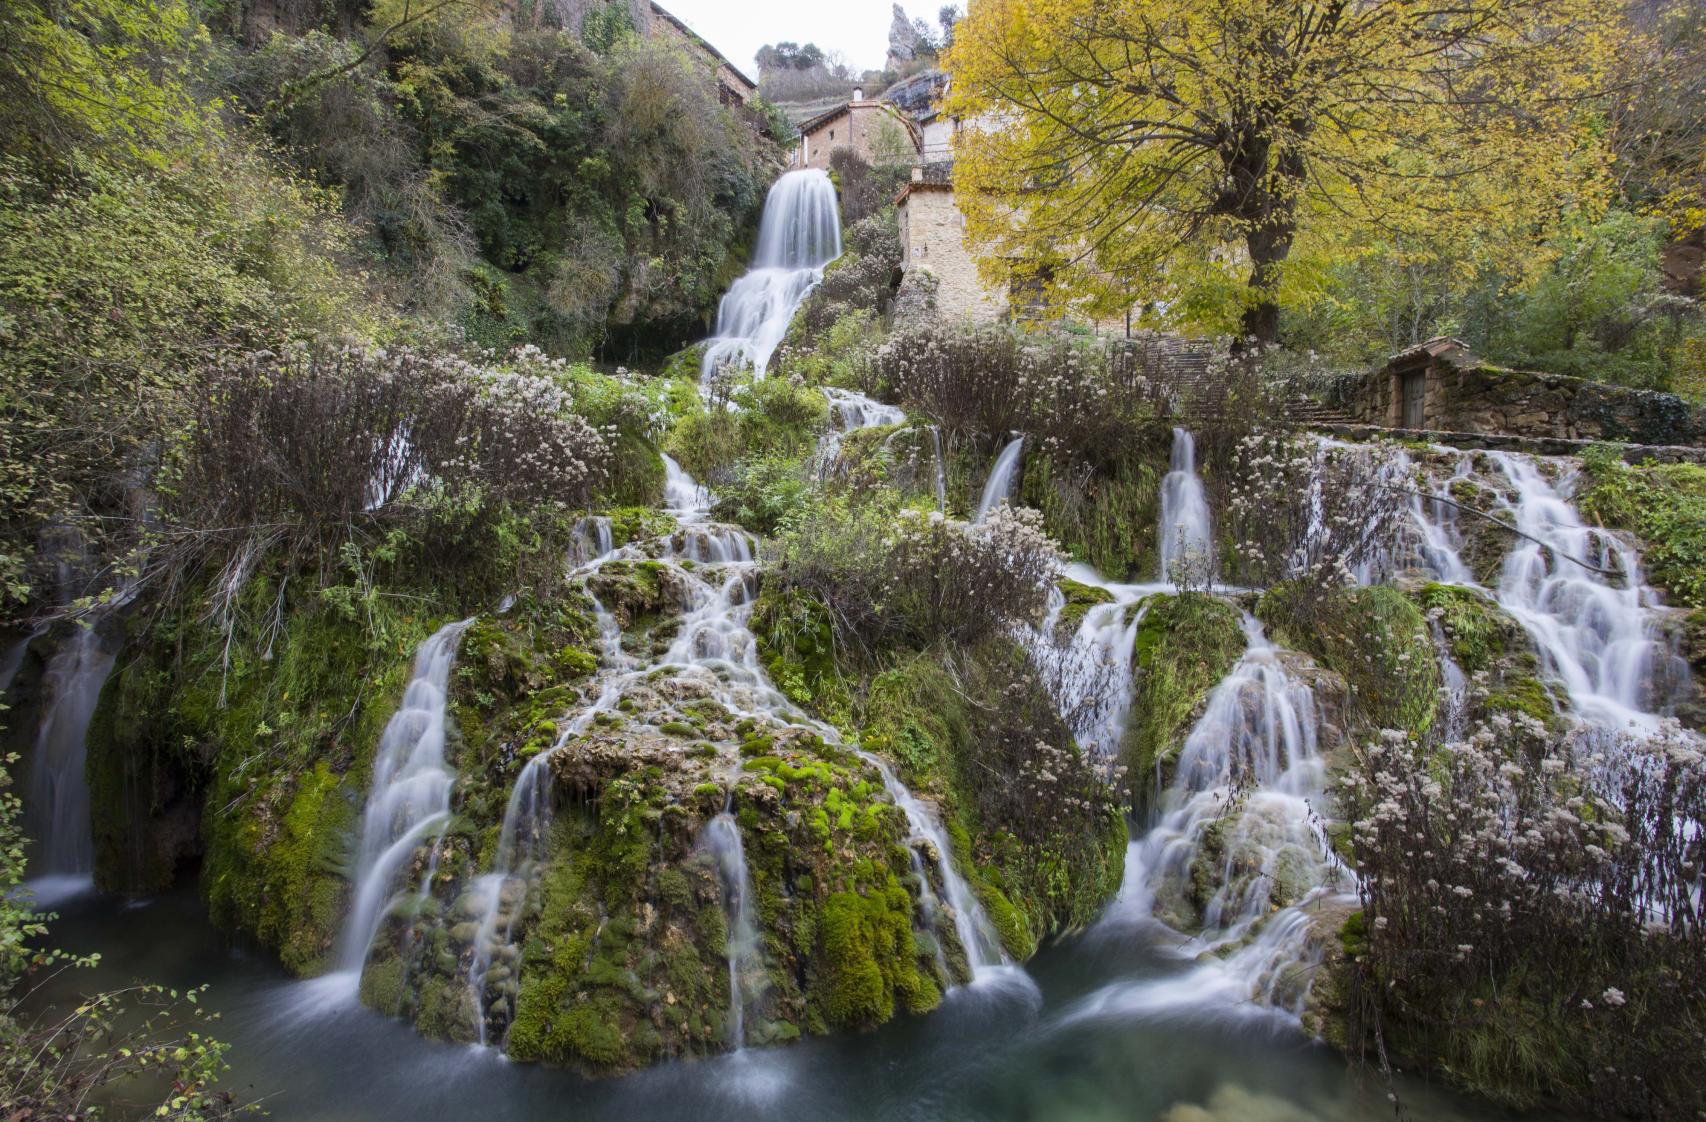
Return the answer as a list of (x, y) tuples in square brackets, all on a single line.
[(798, 236), (1594, 637), (851, 411), (1241, 815), (746, 966), (999, 487), (58, 804), (712, 641), (1186, 533), (408, 800)]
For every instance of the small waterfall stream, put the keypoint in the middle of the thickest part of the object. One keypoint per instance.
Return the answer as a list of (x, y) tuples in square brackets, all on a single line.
[(408, 797), (746, 964), (999, 487), (798, 236), (850, 412), (1186, 533), (57, 803)]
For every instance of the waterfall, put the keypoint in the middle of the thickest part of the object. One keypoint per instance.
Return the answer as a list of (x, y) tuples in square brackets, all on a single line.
[(971, 923), (746, 965), (999, 488), (683, 498), (408, 800), (712, 642), (850, 412), (1237, 848), (58, 802), (1185, 531), (798, 236), (941, 470), (593, 541), (1594, 637)]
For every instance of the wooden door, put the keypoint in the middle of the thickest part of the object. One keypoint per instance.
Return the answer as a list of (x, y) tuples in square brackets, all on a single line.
[(1415, 400)]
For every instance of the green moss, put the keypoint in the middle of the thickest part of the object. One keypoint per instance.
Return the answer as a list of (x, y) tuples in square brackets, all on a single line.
[(1522, 694), (1184, 646), (1375, 638), (1665, 506), (870, 958), (797, 645), (1475, 630), (1080, 598)]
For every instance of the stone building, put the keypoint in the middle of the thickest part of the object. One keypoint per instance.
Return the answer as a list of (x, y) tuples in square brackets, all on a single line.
[(733, 87), (933, 239), (875, 130), (1441, 386)]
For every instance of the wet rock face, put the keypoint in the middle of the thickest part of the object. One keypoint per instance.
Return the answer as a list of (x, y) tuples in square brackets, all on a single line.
[(620, 948)]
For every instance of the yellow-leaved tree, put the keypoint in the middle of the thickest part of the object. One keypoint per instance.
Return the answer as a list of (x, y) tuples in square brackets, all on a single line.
[(1205, 159)]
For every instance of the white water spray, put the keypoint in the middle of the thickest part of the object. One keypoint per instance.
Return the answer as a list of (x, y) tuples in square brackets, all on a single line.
[(799, 235), (746, 964), (999, 487), (1186, 531), (58, 804)]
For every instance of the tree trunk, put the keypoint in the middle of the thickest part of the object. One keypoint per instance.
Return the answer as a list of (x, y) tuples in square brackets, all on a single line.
[(1268, 246)]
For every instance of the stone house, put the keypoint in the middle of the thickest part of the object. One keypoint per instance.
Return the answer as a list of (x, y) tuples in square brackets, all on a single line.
[(875, 130), (733, 87), (1441, 386), (933, 239)]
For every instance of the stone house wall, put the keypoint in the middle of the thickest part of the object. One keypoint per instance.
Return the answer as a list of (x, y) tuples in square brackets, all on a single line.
[(1473, 397), (733, 87), (932, 238), (867, 127)]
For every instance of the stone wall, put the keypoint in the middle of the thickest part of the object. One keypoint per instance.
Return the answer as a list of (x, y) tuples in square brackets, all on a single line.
[(1477, 398), (932, 238)]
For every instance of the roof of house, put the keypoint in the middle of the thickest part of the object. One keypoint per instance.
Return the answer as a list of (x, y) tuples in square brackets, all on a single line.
[(1441, 346), (823, 119), (658, 9)]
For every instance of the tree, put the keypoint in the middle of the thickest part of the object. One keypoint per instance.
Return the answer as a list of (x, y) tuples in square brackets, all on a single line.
[(1211, 157)]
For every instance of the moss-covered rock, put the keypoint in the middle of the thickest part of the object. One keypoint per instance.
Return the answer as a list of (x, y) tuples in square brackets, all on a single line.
[(1375, 637), (1185, 645)]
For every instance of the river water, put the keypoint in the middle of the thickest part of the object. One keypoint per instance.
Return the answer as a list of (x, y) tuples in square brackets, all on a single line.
[(1058, 1052)]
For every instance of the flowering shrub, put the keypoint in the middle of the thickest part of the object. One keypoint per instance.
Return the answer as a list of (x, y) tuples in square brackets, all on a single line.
[(1072, 397), (1307, 510), (913, 578), (1532, 912), (322, 440)]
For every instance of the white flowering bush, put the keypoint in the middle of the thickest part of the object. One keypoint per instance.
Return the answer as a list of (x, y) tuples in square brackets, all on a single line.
[(1307, 510), (904, 576), (1533, 914), (322, 440), (1075, 398)]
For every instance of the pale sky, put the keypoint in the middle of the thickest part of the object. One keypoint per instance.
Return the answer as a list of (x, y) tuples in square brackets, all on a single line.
[(858, 29)]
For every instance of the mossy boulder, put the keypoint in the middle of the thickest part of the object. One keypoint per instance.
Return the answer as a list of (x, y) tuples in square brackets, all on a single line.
[(1375, 637), (1185, 645)]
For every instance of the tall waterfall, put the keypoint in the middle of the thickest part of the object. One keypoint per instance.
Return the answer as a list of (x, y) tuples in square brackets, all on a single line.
[(1185, 530), (999, 487), (799, 235), (58, 803), (408, 799)]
